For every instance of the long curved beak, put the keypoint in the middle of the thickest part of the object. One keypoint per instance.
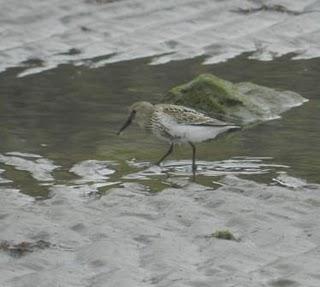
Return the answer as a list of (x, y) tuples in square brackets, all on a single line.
[(127, 123)]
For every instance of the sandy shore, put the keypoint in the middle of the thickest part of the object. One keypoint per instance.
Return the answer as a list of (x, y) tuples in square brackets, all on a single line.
[(44, 35), (131, 237)]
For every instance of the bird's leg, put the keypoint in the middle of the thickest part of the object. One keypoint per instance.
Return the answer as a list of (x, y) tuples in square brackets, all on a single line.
[(194, 167), (167, 153)]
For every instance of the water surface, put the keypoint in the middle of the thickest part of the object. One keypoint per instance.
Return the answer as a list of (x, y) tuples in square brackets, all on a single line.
[(71, 114)]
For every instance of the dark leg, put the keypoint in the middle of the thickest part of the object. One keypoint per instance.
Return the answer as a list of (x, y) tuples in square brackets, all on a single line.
[(194, 167), (167, 153)]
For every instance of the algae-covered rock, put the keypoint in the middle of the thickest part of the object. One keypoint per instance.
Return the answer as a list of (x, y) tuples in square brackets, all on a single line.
[(241, 102), (224, 234)]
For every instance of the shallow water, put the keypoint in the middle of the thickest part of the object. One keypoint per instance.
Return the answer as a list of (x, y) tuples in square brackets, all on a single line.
[(69, 115)]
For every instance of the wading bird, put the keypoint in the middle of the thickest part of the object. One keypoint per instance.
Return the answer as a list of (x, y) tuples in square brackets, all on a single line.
[(176, 124)]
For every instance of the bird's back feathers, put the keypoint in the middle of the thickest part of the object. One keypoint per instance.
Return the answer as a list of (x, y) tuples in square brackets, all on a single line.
[(186, 116)]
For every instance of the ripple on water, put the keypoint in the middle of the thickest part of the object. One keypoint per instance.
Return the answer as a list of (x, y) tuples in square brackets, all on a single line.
[(3, 180), (289, 181), (94, 175), (93, 170), (39, 168), (235, 166)]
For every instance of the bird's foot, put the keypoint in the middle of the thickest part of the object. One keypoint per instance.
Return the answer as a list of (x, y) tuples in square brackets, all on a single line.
[(194, 169)]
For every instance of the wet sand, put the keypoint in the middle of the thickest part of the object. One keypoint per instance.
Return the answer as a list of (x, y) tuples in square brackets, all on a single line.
[(47, 34), (131, 236)]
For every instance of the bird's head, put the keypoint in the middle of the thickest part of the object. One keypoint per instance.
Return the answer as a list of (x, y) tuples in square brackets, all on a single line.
[(139, 112)]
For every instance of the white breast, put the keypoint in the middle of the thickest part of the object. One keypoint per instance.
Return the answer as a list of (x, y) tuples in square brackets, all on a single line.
[(184, 133), (192, 133)]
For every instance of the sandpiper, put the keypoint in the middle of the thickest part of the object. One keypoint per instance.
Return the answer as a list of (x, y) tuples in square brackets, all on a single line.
[(176, 124)]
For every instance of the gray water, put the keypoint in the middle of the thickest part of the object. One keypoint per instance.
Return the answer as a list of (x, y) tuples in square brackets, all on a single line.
[(71, 114), (77, 59)]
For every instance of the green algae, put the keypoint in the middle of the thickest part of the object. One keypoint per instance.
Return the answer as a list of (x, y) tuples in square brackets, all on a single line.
[(243, 103), (22, 248), (206, 92), (224, 234)]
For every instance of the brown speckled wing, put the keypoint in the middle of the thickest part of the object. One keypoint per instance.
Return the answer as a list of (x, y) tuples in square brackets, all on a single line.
[(183, 115)]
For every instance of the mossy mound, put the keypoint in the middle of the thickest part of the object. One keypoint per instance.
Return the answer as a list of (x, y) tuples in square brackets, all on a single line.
[(206, 92), (243, 103), (224, 234)]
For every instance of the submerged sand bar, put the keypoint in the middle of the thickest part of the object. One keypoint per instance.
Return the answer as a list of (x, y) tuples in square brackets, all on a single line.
[(47, 33)]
